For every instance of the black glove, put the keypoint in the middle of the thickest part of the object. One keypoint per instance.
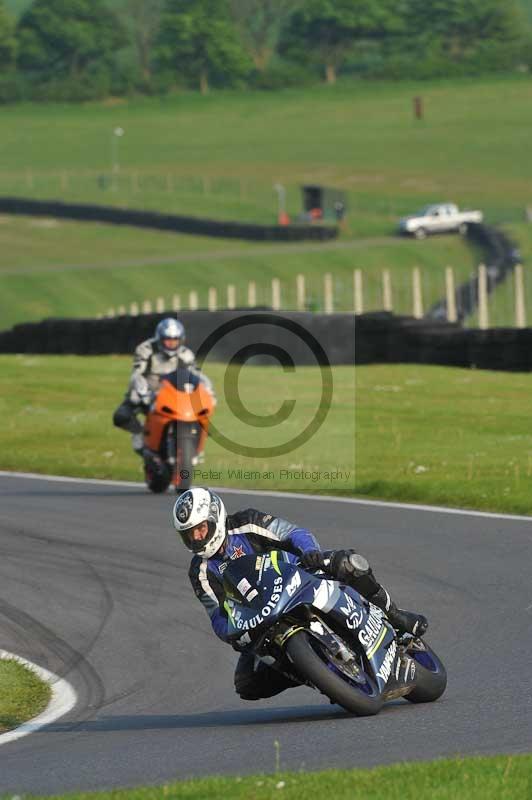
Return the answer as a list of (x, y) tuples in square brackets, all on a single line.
[(312, 559)]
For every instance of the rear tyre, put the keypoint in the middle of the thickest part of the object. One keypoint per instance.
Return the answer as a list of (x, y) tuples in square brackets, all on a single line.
[(431, 676), (312, 663)]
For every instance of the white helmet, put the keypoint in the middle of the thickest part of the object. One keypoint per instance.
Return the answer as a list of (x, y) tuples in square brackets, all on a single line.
[(171, 329), (194, 507)]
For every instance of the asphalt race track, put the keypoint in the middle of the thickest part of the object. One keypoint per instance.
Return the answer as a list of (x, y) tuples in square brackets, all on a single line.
[(94, 587)]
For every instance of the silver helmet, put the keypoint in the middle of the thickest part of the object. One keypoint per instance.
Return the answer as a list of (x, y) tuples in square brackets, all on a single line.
[(169, 334)]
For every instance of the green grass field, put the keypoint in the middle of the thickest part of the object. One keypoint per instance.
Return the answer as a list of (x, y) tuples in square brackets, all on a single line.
[(45, 268), (499, 778), (360, 135), (356, 135), (411, 433), (220, 155), (22, 694)]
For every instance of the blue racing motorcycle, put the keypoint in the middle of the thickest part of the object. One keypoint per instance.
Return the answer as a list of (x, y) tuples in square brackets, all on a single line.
[(324, 634)]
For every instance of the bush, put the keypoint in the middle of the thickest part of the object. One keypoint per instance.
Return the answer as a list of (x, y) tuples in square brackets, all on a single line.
[(283, 76), (90, 86), (13, 88)]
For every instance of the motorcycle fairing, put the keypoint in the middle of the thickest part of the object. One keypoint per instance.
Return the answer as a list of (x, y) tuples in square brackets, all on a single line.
[(262, 589)]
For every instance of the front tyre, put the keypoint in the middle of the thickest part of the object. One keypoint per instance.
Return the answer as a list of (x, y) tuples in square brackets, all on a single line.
[(313, 663), (157, 475), (431, 675), (186, 449)]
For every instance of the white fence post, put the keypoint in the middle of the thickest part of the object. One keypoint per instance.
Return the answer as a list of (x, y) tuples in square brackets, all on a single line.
[(134, 309), (328, 301), (121, 311), (450, 293), (300, 293), (176, 302), (387, 300), (276, 294), (159, 305), (520, 308), (358, 292), (252, 294), (110, 312), (213, 299), (146, 307), (483, 316), (231, 296), (193, 300), (417, 293)]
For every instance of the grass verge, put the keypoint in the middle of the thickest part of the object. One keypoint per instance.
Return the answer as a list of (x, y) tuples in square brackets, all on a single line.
[(498, 778), (71, 269), (22, 694), (404, 432)]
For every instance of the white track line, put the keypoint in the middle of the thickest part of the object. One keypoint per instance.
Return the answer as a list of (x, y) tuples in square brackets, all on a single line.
[(266, 493), (64, 698)]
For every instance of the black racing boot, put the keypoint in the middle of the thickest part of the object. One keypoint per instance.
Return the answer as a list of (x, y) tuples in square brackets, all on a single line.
[(402, 621)]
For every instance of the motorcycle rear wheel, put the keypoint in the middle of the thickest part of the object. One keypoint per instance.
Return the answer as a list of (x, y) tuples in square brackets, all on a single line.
[(312, 662), (431, 676)]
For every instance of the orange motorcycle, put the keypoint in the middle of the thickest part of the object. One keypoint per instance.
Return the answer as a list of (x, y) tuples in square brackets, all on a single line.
[(175, 430)]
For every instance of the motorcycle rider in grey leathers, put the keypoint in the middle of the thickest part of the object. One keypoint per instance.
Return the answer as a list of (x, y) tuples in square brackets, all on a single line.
[(154, 358)]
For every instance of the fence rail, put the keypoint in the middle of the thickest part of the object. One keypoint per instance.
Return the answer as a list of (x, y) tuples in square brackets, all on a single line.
[(279, 296)]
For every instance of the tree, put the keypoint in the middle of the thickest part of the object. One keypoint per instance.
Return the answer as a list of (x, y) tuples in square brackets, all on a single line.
[(327, 30), (7, 39), (260, 23), (198, 39), (142, 18), (66, 38), (460, 27)]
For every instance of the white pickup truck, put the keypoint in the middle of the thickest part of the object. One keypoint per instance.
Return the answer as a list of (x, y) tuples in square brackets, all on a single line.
[(438, 218)]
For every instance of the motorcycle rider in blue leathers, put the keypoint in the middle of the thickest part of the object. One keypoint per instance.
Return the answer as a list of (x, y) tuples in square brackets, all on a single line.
[(216, 538)]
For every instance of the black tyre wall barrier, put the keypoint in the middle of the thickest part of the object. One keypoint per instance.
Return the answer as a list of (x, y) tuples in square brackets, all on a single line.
[(335, 334), (499, 254), (166, 222), (367, 339)]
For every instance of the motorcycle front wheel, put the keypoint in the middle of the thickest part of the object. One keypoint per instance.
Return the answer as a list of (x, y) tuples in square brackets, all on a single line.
[(186, 450), (157, 476), (315, 664), (431, 676)]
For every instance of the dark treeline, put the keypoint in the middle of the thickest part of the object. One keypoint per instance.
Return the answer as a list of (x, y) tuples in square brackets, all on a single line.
[(87, 49)]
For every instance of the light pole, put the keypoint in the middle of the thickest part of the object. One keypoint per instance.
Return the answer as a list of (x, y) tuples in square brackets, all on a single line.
[(115, 136)]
